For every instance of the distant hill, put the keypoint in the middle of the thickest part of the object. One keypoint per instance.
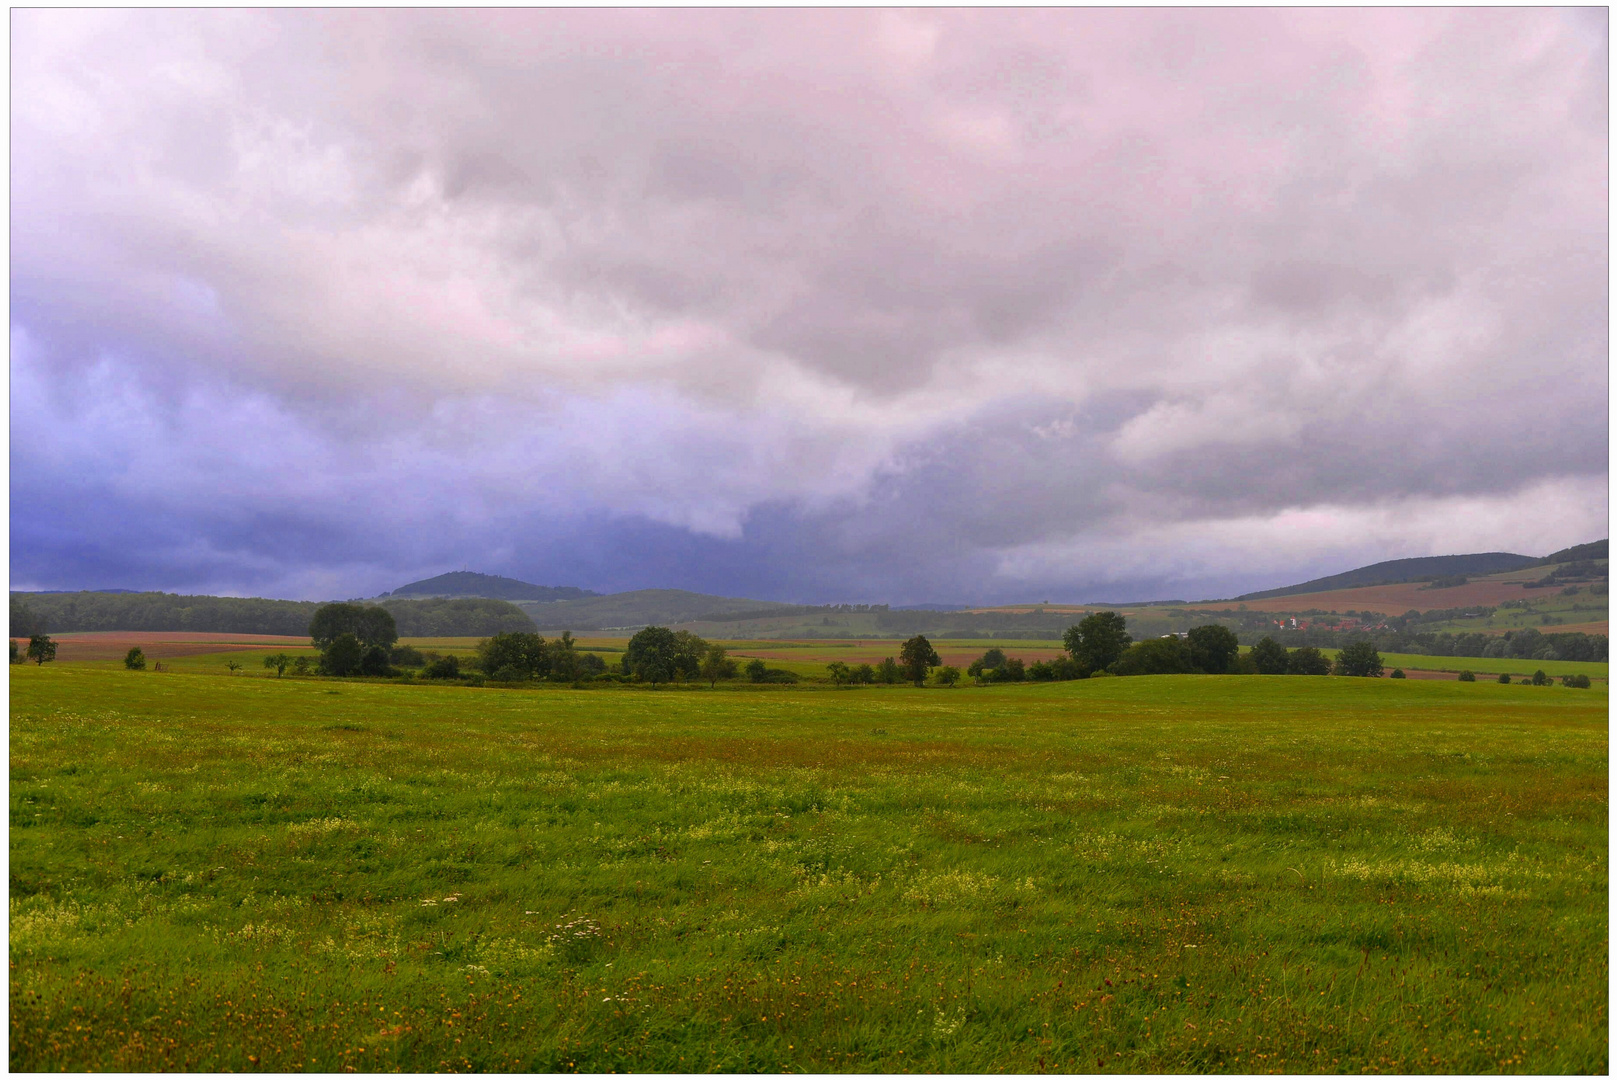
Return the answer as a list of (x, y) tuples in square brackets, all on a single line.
[(646, 607), (1401, 570), (64, 613), (1580, 553), (490, 586)]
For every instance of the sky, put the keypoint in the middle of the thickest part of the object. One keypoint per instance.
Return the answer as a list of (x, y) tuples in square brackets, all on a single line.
[(853, 305)]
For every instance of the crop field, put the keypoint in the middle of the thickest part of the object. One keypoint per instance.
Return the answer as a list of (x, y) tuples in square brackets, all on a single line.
[(1149, 874)]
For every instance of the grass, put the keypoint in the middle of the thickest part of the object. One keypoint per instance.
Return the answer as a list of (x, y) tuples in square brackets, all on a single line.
[(1489, 665), (1152, 874)]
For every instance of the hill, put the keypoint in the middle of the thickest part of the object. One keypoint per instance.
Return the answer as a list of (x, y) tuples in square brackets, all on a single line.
[(1580, 553), (66, 613), (644, 607), (490, 586), (1398, 571)]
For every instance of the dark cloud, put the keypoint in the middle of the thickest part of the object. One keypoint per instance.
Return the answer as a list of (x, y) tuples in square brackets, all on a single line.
[(826, 304)]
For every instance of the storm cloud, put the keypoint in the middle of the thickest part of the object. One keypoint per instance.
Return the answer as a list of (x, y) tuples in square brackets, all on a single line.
[(858, 305)]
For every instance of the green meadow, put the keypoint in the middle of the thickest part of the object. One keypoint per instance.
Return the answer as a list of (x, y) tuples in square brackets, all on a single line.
[(1159, 874)]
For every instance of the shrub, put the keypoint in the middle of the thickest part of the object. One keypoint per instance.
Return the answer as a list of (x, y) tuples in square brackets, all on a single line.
[(301, 665), (1156, 656), (1540, 679), (1270, 657), (445, 667), (1213, 648), (1359, 660), (342, 656), (888, 671), (1468, 676), (1578, 682), (406, 656), (135, 659), (948, 675), (1308, 661), (1503, 677), (1397, 673), (757, 670), (863, 675)]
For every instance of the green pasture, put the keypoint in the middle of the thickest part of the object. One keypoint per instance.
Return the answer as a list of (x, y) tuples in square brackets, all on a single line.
[(1177, 873), (1489, 665)]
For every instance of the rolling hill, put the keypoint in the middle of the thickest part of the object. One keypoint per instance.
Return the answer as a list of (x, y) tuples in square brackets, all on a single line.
[(489, 586), (1398, 571)]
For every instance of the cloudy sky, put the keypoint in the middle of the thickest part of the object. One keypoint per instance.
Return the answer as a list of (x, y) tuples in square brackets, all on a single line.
[(846, 305)]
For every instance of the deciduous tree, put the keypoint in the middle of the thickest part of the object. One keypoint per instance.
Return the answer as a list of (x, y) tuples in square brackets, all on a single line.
[(917, 657), (1097, 641)]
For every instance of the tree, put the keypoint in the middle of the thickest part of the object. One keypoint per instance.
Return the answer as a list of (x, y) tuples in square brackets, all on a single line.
[(279, 662), (1397, 673), (864, 675), (986, 668), (716, 665), (1359, 660), (887, 671), (917, 657), (374, 662), (135, 659), (301, 666), (1540, 679), (513, 657), (41, 649), (443, 667), (1270, 657), (1097, 642), (1468, 676), (1155, 656), (1213, 648), (687, 657), (757, 670), (1504, 677), (1309, 661), (370, 625), (24, 623), (16, 657), (563, 660), (650, 655), (948, 675), (342, 656), (838, 672)]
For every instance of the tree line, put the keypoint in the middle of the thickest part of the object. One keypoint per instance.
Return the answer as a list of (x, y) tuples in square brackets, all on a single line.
[(64, 613)]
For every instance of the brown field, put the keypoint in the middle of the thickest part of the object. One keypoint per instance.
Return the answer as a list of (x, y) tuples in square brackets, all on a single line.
[(1601, 627), (160, 644), (872, 650), (1389, 599)]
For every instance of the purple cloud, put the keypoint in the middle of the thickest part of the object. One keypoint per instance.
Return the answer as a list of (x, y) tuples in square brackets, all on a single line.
[(843, 304)]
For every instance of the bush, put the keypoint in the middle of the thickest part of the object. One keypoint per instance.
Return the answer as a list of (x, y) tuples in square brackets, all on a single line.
[(513, 657), (1468, 676), (1504, 678), (1540, 679), (1308, 661), (1397, 673), (1156, 656), (1213, 648), (948, 675), (406, 656), (888, 671), (1359, 660), (135, 659), (1578, 682), (445, 667), (757, 670), (1270, 657)]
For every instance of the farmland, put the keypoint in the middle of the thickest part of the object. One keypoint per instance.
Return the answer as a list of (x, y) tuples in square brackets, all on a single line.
[(1148, 874)]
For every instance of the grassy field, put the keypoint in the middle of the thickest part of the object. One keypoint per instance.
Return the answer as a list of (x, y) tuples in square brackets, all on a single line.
[(1151, 874)]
